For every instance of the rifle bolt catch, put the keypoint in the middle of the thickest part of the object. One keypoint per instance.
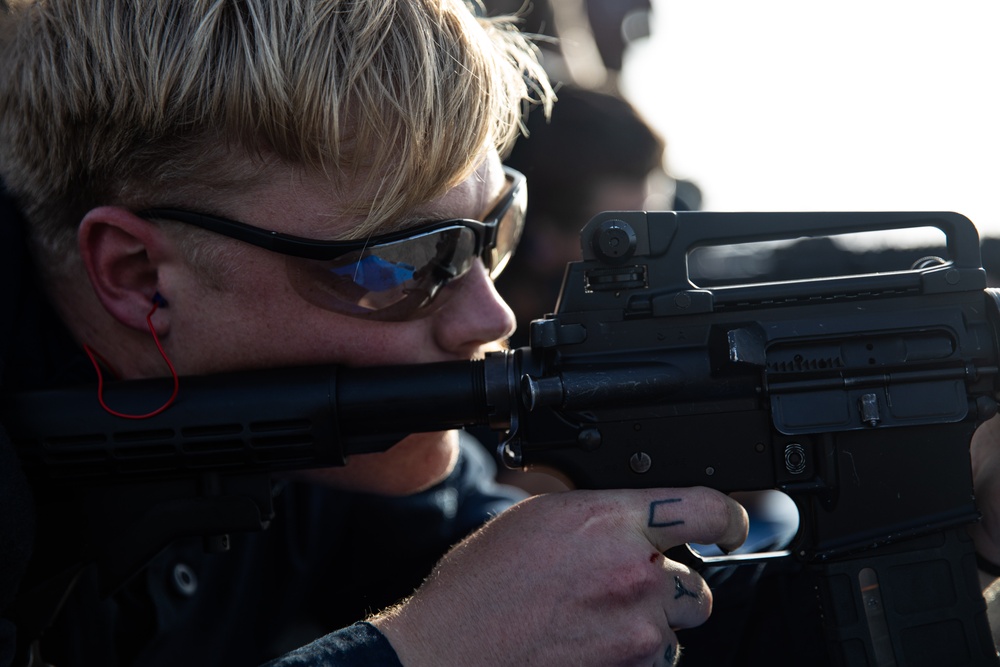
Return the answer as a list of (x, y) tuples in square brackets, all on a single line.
[(869, 410)]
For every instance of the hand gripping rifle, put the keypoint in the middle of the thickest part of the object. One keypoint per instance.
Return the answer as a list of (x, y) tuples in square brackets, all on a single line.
[(855, 395)]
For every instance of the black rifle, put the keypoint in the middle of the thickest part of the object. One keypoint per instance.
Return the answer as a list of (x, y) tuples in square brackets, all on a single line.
[(856, 395)]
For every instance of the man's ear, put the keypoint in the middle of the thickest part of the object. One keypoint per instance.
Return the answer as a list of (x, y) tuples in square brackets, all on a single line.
[(122, 254)]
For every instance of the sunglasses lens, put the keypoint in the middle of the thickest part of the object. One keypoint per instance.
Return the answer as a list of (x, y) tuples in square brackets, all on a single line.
[(402, 280), (394, 281), (509, 229)]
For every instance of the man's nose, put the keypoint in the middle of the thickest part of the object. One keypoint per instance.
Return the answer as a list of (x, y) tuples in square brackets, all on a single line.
[(474, 316)]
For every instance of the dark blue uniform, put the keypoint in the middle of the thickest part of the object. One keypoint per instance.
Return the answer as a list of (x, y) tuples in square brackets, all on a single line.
[(328, 559)]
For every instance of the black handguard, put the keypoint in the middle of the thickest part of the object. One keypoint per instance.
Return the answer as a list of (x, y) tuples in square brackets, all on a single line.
[(855, 395)]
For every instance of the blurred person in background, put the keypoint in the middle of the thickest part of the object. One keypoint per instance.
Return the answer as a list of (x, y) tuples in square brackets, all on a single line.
[(595, 154), (583, 42)]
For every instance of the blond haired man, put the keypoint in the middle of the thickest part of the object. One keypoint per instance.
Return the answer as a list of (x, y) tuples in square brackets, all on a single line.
[(139, 138)]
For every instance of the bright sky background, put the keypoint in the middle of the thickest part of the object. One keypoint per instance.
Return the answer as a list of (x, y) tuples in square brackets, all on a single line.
[(848, 105)]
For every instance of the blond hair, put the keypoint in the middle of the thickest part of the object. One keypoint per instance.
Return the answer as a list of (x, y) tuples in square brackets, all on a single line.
[(131, 101)]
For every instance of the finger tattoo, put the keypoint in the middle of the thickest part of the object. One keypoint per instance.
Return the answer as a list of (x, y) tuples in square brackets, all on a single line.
[(659, 513), (680, 590)]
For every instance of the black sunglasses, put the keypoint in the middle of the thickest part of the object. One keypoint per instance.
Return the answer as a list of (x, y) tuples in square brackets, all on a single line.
[(392, 277)]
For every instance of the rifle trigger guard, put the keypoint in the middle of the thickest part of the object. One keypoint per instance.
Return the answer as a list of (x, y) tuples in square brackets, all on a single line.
[(688, 556)]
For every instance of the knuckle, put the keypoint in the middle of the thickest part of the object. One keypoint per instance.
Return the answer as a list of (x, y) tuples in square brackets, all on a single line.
[(638, 641), (632, 582)]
